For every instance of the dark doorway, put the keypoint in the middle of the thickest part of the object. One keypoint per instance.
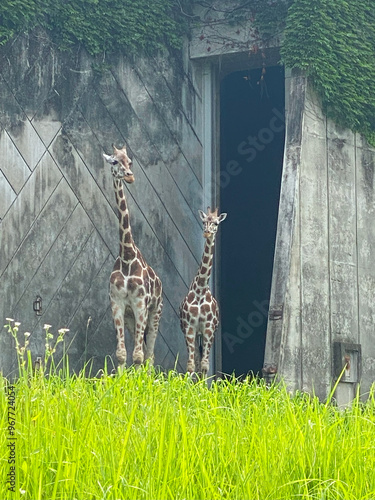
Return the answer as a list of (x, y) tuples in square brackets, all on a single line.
[(252, 144)]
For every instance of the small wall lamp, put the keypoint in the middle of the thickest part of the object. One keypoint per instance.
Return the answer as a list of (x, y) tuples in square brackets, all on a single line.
[(37, 305)]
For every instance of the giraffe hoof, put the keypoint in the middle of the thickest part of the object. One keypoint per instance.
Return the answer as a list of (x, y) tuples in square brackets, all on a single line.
[(137, 363), (138, 358), (190, 368), (121, 356), (204, 368)]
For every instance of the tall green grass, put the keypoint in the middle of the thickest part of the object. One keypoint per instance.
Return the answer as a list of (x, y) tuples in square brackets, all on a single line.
[(152, 436)]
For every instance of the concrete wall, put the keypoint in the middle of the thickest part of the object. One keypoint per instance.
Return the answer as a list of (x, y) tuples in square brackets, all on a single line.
[(59, 232), (323, 280), (321, 312)]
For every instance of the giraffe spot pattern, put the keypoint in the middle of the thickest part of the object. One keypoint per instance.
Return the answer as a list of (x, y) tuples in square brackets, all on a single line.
[(194, 311), (117, 279), (122, 204), (201, 282), (205, 308), (127, 238), (135, 269), (132, 274), (125, 220), (128, 253), (151, 273)]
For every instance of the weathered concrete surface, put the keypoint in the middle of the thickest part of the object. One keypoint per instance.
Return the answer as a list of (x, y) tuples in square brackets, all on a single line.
[(58, 234), (323, 277), (212, 34), (323, 263), (59, 222)]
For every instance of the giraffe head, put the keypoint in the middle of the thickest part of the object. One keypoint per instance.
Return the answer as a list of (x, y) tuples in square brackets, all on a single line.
[(211, 221), (121, 164)]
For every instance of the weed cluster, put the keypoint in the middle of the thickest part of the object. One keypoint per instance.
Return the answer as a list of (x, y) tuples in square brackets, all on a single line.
[(47, 365)]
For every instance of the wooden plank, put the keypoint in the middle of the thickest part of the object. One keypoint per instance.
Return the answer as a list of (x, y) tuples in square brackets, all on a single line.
[(315, 315), (283, 344), (290, 346), (342, 234), (365, 163)]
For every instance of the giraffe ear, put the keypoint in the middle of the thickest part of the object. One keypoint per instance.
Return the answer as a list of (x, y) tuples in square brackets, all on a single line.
[(202, 215), (222, 217), (109, 159)]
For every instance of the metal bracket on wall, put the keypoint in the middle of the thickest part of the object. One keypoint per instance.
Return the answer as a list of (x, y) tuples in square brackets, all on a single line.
[(37, 305), (275, 312), (348, 356)]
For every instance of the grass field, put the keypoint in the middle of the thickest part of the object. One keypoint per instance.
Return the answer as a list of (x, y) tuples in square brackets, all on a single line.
[(158, 437)]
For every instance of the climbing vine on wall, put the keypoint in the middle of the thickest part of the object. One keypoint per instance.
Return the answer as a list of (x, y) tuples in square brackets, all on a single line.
[(333, 41), (99, 25)]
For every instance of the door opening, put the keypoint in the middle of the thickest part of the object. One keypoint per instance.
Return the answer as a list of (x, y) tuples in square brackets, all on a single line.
[(252, 133)]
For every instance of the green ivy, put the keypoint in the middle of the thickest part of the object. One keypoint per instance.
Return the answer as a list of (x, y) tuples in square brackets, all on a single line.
[(16, 16), (99, 25), (333, 41)]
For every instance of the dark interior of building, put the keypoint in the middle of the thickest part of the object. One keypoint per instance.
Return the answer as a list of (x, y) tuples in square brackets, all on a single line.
[(252, 133)]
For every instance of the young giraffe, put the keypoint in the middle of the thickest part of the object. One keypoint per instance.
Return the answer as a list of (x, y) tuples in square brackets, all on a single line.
[(199, 311), (135, 290)]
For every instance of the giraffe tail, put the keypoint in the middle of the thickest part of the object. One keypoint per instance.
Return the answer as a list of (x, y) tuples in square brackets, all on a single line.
[(199, 346)]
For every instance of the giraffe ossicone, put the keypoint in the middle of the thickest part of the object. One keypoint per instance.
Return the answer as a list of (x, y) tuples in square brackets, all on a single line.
[(134, 288), (199, 311)]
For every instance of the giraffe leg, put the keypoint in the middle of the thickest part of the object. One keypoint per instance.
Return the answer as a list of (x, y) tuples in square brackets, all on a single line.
[(190, 343), (140, 326), (153, 326), (118, 318), (198, 354), (207, 341)]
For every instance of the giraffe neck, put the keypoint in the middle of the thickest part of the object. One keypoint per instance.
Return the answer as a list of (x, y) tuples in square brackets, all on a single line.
[(201, 280), (127, 246)]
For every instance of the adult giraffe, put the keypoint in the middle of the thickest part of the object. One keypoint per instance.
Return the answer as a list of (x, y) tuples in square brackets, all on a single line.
[(135, 290)]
